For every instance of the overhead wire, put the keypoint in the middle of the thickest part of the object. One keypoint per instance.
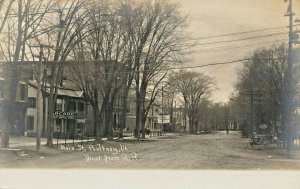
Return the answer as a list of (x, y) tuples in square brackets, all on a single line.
[(174, 68), (242, 39), (238, 33)]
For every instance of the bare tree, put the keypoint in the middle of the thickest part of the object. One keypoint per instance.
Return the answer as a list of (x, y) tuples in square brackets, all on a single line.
[(107, 46), (265, 73), (5, 6), (194, 88), (22, 27), (156, 33), (68, 23)]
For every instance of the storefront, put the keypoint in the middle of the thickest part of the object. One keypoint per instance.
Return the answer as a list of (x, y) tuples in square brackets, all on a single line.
[(68, 124)]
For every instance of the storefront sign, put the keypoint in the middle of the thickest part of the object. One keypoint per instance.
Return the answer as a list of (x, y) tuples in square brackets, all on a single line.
[(64, 115)]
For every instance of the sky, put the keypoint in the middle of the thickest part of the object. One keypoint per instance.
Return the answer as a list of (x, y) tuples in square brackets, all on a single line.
[(210, 18)]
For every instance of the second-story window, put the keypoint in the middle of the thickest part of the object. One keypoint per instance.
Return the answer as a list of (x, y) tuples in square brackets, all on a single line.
[(31, 102), (22, 91), (71, 106), (80, 107), (58, 105)]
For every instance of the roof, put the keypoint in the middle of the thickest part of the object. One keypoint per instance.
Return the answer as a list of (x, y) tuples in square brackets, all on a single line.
[(62, 91)]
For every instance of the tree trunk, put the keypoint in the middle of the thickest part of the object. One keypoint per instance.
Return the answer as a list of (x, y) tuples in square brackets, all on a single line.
[(12, 84), (97, 122), (138, 117), (50, 124), (108, 108), (124, 111), (143, 123)]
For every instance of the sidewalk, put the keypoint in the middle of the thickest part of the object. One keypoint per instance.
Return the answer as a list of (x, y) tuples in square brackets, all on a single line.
[(22, 141)]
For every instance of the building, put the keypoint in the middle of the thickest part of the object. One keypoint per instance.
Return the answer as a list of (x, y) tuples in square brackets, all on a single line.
[(20, 105), (70, 115), (180, 119), (152, 118), (71, 111)]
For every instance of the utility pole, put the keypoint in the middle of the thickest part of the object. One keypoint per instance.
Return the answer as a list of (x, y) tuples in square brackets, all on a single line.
[(255, 98), (162, 106), (39, 98), (288, 96)]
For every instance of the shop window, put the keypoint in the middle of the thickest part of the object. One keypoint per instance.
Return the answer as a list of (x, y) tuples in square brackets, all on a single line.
[(58, 122), (71, 126), (22, 91), (31, 102), (58, 126), (30, 122)]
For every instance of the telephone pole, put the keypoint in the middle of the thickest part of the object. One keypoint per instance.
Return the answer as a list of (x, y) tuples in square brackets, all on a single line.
[(162, 106), (39, 98), (288, 96)]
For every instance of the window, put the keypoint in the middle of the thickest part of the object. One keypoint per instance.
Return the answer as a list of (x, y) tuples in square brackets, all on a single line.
[(31, 102), (30, 122), (22, 91), (1, 89), (58, 105), (31, 74), (80, 107), (71, 106), (71, 126)]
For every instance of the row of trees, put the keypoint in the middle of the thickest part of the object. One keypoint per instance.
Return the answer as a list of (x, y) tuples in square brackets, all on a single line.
[(110, 46), (259, 97), (261, 90), (194, 88)]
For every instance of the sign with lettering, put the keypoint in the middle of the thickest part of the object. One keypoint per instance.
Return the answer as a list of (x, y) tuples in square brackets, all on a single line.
[(163, 119), (64, 115), (80, 120)]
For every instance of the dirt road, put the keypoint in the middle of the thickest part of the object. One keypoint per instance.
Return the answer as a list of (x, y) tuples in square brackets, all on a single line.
[(209, 151)]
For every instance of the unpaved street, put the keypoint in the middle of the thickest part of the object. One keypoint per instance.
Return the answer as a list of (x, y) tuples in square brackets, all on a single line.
[(209, 151)]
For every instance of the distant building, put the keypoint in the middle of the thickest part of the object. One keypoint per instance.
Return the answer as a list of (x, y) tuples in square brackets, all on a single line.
[(152, 118), (181, 120)]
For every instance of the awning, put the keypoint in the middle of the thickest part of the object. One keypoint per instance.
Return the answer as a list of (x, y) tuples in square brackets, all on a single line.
[(70, 93), (62, 91)]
